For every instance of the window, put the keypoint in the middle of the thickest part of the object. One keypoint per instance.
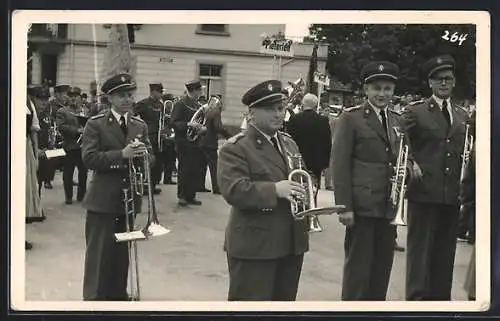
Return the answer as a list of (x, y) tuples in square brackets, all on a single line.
[(213, 29), (211, 79)]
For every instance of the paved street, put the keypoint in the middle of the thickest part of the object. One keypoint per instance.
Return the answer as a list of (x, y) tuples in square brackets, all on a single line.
[(188, 264)]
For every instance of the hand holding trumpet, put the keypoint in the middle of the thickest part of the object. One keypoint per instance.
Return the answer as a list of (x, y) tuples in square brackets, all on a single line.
[(135, 148), (290, 190)]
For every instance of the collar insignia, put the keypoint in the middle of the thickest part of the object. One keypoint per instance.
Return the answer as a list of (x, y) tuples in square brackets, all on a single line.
[(439, 61), (123, 79), (381, 68), (270, 87)]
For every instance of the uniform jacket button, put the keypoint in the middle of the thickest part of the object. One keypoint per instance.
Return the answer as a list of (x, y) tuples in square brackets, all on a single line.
[(448, 154), (447, 169), (447, 140), (387, 149)]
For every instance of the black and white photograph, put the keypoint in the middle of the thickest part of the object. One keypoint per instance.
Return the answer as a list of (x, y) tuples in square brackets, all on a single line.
[(222, 160)]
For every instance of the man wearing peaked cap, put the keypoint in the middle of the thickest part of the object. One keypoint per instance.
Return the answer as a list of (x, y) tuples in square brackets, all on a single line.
[(364, 153), (70, 126), (107, 145), (150, 110), (189, 154), (436, 129), (264, 254)]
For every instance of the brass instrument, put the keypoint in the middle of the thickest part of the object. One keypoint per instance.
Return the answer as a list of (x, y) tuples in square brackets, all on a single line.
[(199, 117), (468, 145), (164, 117), (305, 207), (398, 181), (139, 174)]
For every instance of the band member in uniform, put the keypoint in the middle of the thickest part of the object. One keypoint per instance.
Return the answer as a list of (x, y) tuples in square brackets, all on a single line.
[(107, 145), (265, 246), (67, 119), (169, 154), (188, 153), (59, 101), (46, 166), (311, 132), (209, 142), (149, 109), (364, 153), (436, 130)]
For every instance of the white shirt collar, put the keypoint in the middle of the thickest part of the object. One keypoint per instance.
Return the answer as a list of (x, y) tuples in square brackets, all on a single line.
[(268, 137), (118, 116), (378, 110), (440, 101)]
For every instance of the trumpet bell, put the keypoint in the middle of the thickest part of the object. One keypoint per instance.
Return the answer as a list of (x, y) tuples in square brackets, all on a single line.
[(400, 218)]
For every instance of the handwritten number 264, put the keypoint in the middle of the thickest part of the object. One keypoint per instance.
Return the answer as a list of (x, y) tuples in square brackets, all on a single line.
[(454, 37)]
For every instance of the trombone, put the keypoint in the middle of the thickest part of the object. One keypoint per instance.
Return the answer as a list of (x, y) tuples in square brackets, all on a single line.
[(139, 174), (398, 180), (161, 121), (468, 145), (305, 207)]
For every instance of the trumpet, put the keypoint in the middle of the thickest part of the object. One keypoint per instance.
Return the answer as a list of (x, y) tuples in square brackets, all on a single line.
[(304, 207), (398, 182), (468, 145), (139, 174), (199, 117)]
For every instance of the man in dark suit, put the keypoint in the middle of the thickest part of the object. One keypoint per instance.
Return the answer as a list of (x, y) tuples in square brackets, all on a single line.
[(209, 142), (70, 124), (436, 129), (365, 147), (149, 109), (311, 132), (189, 153), (265, 246), (108, 144)]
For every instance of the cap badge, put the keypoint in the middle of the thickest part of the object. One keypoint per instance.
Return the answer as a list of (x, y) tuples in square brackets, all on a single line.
[(270, 87), (439, 60), (123, 79), (381, 68)]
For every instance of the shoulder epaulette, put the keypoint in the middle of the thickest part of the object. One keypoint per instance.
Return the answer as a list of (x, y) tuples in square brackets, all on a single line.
[(236, 138), (285, 134), (97, 116), (137, 118), (395, 111), (352, 108), (463, 109), (417, 102)]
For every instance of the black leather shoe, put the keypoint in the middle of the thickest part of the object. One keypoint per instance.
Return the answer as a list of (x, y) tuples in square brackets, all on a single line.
[(194, 202), (398, 248), (182, 202), (156, 191), (28, 245), (69, 201)]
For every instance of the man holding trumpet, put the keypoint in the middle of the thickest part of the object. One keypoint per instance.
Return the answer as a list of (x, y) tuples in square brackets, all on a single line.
[(365, 149), (265, 246), (109, 141)]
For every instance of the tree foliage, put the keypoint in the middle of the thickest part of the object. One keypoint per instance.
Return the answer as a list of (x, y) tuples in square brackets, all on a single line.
[(409, 46)]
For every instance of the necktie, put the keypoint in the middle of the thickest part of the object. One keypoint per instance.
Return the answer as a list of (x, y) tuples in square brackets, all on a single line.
[(276, 146), (446, 114), (123, 125), (384, 122)]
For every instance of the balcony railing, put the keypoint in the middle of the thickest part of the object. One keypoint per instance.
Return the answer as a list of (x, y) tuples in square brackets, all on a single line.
[(48, 31)]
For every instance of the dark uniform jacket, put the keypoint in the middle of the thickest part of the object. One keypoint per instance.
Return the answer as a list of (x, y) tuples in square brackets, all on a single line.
[(436, 150), (311, 132), (68, 124), (102, 145), (45, 118), (260, 224), (149, 110), (363, 161), (182, 113), (214, 128), (468, 186)]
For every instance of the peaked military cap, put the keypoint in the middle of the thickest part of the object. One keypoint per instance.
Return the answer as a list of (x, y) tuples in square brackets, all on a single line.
[(379, 70), (120, 82), (442, 62), (61, 88), (74, 91), (265, 93), (156, 87), (43, 92), (193, 85)]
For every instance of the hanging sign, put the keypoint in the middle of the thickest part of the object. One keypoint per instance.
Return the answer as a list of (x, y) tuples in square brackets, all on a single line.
[(276, 45), (322, 79)]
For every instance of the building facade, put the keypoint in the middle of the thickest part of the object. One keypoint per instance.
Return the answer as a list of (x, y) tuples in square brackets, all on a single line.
[(226, 58)]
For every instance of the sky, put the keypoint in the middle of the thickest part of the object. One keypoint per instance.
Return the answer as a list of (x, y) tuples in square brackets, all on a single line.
[(296, 30)]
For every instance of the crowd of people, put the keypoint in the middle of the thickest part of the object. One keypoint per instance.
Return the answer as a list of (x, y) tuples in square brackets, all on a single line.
[(353, 148)]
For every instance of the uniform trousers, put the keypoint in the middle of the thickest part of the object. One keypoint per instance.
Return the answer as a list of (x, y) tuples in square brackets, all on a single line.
[(157, 165), (264, 280), (188, 177), (431, 243), (169, 156), (45, 173), (369, 254), (211, 158), (106, 261), (73, 159)]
